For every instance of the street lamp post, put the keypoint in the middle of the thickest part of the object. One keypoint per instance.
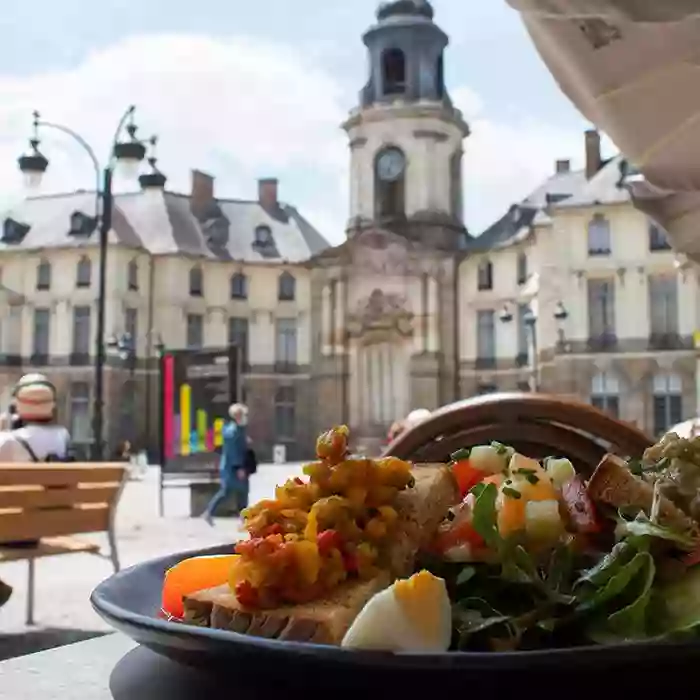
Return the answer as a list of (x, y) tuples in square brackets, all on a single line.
[(529, 319), (129, 152)]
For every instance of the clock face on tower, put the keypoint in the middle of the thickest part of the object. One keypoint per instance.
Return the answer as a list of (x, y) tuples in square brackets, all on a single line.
[(390, 164)]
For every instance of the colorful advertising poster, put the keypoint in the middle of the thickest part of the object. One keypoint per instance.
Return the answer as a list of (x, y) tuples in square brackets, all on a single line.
[(198, 386)]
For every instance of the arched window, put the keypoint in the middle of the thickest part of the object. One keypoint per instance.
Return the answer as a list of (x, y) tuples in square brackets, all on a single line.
[(239, 286), (43, 275), (196, 282), (390, 182), (599, 235), (485, 276), (394, 72), (440, 76), (132, 275), (83, 273), (286, 287), (668, 401), (605, 392)]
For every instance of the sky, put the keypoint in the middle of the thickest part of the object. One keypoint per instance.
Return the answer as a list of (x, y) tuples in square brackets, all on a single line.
[(245, 90)]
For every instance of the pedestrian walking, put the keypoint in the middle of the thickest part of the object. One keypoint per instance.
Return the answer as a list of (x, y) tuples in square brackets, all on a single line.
[(232, 464)]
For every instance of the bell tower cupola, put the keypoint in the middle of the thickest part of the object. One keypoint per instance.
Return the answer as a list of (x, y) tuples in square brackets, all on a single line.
[(405, 54), (406, 137)]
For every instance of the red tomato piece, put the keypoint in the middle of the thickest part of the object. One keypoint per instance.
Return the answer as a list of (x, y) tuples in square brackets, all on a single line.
[(460, 534), (327, 540), (247, 594), (582, 512), (466, 475), (350, 562)]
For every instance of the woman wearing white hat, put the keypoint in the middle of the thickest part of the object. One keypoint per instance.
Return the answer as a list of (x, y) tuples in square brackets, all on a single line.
[(37, 438)]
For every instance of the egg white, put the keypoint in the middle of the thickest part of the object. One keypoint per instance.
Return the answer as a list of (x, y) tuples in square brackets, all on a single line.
[(383, 625)]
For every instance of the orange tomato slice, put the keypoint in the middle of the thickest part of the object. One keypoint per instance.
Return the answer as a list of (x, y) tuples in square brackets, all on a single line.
[(192, 575), (467, 476)]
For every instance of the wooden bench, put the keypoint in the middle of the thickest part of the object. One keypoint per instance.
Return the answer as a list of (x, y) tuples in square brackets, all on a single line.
[(50, 504)]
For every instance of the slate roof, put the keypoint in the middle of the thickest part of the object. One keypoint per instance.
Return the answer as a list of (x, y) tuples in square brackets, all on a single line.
[(560, 191), (161, 222)]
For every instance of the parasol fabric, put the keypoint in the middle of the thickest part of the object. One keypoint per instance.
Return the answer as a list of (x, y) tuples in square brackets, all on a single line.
[(630, 10), (632, 67)]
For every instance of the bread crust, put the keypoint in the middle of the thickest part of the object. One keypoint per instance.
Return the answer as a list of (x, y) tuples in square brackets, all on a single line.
[(421, 509), (613, 483)]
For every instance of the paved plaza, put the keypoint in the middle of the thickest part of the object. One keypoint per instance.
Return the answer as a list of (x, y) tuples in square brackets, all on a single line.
[(63, 584)]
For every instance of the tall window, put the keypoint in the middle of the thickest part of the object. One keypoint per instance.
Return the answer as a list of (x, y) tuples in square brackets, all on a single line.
[(81, 330), (132, 276), (605, 393), (196, 282), (238, 335), (663, 306), (195, 331), (601, 312), (79, 410), (286, 287), (485, 276), (394, 71), (522, 268), (657, 238), (83, 273), (286, 342), (523, 335), (456, 190), (43, 275), (599, 236), (285, 413), (486, 334), (239, 286), (131, 325), (668, 402), (42, 333)]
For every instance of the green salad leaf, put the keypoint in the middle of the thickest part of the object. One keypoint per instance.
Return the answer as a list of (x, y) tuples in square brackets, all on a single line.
[(621, 554), (676, 605), (484, 516), (642, 526), (616, 584), (630, 621)]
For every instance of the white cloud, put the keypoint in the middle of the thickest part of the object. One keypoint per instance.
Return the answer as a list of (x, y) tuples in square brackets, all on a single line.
[(245, 108)]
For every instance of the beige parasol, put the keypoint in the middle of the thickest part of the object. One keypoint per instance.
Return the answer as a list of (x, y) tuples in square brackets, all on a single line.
[(633, 68)]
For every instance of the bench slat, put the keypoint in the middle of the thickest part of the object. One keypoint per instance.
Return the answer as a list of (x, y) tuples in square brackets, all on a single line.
[(31, 525), (48, 547), (60, 474), (34, 497)]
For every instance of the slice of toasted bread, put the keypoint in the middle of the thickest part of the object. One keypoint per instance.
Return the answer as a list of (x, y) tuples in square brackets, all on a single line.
[(613, 483), (321, 622), (421, 510)]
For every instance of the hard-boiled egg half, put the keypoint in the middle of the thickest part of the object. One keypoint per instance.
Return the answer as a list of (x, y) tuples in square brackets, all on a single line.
[(413, 614)]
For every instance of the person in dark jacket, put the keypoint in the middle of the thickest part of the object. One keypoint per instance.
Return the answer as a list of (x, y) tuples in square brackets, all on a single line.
[(232, 472)]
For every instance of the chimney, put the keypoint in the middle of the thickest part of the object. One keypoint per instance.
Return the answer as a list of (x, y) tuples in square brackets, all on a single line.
[(593, 159), (562, 166), (267, 193), (202, 192)]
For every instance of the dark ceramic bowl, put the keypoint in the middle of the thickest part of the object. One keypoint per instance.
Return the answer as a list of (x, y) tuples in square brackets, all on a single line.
[(130, 601)]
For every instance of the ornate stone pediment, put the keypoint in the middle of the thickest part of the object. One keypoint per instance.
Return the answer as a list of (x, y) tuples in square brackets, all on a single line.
[(381, 312)]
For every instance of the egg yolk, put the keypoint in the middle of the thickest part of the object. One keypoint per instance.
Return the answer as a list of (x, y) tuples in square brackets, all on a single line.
[(421, 598)]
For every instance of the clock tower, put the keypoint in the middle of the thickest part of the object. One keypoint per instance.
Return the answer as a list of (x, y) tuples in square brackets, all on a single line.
[(406, 137)]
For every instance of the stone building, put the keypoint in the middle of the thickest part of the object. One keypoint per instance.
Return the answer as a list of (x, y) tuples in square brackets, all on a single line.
[(572, 291)]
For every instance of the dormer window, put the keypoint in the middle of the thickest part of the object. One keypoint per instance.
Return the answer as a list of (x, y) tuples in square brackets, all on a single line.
[(286, 289), (83, 273), (216, 231), (13, 232), (263, 236), (81, 225)]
